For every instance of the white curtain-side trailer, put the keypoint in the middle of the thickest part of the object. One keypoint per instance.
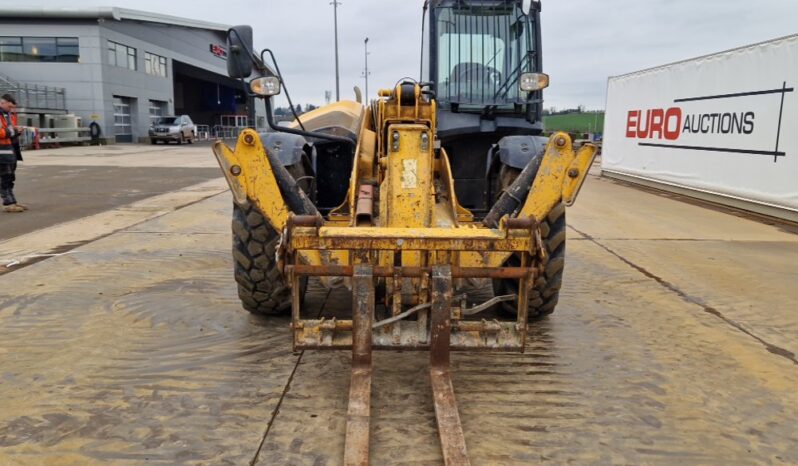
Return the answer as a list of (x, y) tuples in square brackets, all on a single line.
[(722, 127)]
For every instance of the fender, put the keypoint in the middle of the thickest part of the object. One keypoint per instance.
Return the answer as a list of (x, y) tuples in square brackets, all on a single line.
[(516, 151), (289, 148)]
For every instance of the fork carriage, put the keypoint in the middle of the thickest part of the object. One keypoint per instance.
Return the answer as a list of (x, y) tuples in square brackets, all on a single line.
[(407, 326)]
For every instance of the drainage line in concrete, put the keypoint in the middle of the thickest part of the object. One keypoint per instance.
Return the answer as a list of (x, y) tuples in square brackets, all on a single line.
[(773, 349), (285, 390)]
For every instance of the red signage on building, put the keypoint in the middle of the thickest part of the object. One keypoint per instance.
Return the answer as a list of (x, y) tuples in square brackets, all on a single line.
[(219, 51)]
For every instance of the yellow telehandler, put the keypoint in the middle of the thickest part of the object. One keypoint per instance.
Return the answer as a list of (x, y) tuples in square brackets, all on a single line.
[(434, 185)]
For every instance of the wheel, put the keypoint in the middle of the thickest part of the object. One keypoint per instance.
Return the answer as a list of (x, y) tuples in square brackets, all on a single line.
[(95, 131), (153, 142), (261, 287), (545, 293), (182, 139)]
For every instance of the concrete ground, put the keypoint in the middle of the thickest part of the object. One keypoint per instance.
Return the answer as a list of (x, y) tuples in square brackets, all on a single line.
[(93, 179), (78, 194), (674, 342)]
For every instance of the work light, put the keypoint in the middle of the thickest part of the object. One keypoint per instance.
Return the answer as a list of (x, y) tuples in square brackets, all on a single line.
[(530, 82), (266, 86)]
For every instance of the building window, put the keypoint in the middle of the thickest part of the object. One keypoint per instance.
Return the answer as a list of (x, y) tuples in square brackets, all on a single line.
[(68, 49), (39, 49), (154, 64), (121, 55), (11, 49)]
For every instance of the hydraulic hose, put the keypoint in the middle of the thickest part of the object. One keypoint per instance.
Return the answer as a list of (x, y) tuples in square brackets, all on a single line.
[(296, 199), (514, 196)]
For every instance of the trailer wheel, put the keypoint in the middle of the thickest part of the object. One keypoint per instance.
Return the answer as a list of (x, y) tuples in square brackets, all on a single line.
[(545, 293), (261, 287)]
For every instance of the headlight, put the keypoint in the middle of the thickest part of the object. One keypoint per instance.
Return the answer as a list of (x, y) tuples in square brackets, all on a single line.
[(531, 82), (267, 86)]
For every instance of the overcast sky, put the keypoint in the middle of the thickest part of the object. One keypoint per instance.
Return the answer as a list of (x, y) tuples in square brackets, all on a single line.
[(584, 41)]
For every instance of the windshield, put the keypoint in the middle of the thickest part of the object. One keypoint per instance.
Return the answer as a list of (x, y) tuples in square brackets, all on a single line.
[(166, 121), (481, 51)]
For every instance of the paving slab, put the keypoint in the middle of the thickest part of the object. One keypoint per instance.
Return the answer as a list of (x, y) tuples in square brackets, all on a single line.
[(59, 193), (135, 349), (126, 155), (78, 194), (736, 268), (613, 210)]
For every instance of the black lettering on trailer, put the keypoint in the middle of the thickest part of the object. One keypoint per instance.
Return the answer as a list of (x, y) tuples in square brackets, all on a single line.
[(748, 119)]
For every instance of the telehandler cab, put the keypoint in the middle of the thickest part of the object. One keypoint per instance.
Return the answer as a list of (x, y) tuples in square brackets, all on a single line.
[(435, 185)]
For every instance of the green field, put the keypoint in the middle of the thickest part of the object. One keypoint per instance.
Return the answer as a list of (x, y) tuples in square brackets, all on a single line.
[(575, 122)]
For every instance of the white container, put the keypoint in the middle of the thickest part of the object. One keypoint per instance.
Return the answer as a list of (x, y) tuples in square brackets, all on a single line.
[(66, 121)]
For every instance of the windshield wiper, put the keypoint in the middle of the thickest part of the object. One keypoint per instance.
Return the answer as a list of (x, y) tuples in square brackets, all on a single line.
[(494, 56), (514, 75)]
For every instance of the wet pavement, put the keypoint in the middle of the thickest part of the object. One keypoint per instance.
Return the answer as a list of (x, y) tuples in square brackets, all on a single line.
[(674, 343), (59, 185), (88, 190)]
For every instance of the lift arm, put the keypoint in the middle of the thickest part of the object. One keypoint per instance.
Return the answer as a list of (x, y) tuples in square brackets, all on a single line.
[(559, 178)]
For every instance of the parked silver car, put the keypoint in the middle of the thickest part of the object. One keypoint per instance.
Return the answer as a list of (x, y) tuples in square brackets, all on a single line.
[(173, 128)]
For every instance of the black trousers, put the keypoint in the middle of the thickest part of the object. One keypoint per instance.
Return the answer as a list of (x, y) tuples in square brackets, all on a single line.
[(7, 179)]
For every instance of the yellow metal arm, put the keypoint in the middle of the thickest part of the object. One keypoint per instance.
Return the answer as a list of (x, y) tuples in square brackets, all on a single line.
[(251, 178), (559, 177)]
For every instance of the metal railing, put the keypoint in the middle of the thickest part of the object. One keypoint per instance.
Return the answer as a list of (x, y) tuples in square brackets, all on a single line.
[(49, 136), (226, 132), (33, 96), (203, 132)]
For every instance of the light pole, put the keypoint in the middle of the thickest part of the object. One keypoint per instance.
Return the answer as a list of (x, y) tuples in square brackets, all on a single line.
[(335, 4), (366, 72)]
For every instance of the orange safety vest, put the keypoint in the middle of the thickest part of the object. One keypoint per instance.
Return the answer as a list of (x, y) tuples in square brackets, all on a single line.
[(7, 154)]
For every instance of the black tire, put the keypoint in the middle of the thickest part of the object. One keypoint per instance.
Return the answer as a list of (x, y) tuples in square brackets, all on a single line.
[(94, 131), (181, 139), (546, 291), (261, 287)]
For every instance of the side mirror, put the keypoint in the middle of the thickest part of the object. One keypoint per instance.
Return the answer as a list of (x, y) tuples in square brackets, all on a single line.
[(528, 6), (239, 45)]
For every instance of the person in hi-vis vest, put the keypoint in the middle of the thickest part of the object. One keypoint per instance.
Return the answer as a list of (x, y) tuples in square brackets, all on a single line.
[(10, 153)]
